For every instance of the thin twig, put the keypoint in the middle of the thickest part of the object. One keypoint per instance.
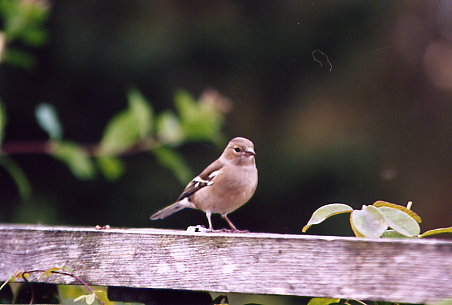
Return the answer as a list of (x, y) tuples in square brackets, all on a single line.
[(26, 147), (91, 149), (32, 299), (62, 273), (409, 205), (361, 302)]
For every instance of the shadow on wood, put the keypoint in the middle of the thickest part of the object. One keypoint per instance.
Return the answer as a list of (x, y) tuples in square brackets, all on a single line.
[(158, 296)]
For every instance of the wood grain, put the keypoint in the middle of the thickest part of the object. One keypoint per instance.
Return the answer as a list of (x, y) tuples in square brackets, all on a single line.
[(398, 270)]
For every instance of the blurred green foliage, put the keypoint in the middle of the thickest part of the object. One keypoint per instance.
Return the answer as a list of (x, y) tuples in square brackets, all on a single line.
[(17, 174), (111, 167), (48, 120), (23, 22), (75, 157), (129, 127), (2, 121), (130, 131), (198, 121)]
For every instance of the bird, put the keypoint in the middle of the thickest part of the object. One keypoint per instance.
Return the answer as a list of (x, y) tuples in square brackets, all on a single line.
[(222, 187)]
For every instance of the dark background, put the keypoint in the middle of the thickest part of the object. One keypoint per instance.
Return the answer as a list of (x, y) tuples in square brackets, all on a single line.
[(377, 126)]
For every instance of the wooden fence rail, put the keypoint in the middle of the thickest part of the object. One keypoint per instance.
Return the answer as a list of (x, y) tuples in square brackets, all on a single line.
[(397, 270)]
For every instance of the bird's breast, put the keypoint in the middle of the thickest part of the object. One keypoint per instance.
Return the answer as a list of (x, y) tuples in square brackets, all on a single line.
[(229, 191)]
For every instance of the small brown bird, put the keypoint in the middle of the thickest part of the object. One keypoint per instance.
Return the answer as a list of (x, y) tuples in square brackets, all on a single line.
[(224, 186)]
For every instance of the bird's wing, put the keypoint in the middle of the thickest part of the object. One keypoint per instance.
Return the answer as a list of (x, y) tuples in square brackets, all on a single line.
[(202, 180)]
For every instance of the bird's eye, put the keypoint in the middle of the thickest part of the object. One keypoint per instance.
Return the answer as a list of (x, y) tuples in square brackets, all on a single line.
[(237, 149)]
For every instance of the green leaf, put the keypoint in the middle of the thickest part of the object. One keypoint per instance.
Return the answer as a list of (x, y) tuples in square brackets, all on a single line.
[(199, 121), (186, 105), (323, 301), (67, 293), (21, 17), (2, 122), (6, 283), (48, 272), (368, 222), (19, 177), (75, 158), (79, 298), (436, 231), (381, 203), (127, 127), (173, 161), (119, 135), (169, 129), (34, 37), (18, 58), (112, 168), (325, 212), (89, 298), (392, 234), (141, 111), (48, 121), (400, 221)]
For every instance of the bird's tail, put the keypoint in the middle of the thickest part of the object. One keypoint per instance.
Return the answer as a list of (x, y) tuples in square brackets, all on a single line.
[(171, 209)]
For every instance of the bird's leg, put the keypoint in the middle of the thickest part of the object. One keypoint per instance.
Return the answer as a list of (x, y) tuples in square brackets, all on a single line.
[(211, 229), (225, 216), (208, 215), (233, 228)]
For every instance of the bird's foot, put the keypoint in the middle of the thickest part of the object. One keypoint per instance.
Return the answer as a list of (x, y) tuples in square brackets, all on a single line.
[(201, 228), (239, 231), (224, 230)]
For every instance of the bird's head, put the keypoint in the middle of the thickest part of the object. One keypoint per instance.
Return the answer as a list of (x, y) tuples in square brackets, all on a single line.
[(240, 150)]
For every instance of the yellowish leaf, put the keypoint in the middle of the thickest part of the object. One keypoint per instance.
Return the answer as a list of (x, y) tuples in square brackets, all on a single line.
[(400, 221), (48, 272), (325, 212), (322, 301), (381, 203), (436, 231)]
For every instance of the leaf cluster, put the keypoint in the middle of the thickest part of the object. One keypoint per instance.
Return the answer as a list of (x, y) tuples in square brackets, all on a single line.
[(381, 219), (23, 23), (57, 270), (133, 130)]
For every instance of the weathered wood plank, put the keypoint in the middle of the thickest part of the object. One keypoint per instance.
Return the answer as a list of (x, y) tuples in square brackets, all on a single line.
[(413, 271)]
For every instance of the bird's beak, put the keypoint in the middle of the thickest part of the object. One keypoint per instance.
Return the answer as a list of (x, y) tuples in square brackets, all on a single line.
[(250, 152)]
